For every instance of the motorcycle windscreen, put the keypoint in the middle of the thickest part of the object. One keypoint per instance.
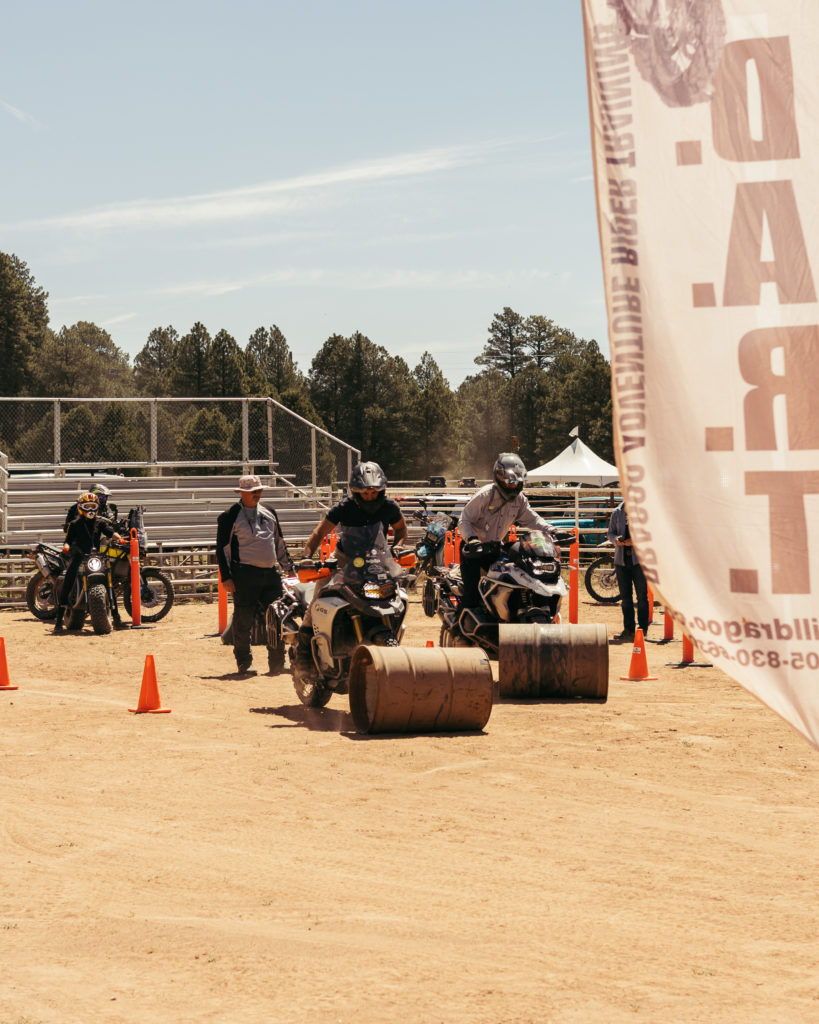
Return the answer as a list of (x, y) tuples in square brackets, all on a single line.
[(367, 546)]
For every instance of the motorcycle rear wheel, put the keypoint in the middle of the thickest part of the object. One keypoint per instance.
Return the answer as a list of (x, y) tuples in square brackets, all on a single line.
[(40, 597), (160, 602), (601, 580), (98, 610)]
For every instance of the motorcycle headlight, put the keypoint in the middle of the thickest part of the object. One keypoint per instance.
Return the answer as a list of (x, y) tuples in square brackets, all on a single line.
[(94, 564), (373, 590)]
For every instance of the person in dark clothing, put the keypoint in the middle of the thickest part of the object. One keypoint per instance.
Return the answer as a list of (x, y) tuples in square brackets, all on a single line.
[(107, 509), (249, 549), (82, 537), (366, 507), (629, 574)]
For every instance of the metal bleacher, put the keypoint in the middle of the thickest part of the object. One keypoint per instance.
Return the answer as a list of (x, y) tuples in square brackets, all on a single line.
[(180, 515), (179, 510)]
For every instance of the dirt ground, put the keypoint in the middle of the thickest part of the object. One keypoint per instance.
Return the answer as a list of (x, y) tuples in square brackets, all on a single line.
[(243, 858)]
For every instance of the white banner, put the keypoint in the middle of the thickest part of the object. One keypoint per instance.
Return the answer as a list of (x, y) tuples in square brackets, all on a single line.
[(705, 129)]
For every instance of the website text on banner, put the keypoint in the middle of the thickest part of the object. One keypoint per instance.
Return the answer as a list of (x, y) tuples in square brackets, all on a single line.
[(705, 133)]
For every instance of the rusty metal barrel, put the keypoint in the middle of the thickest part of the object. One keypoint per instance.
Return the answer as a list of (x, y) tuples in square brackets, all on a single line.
[(557, 661), (420, 689)]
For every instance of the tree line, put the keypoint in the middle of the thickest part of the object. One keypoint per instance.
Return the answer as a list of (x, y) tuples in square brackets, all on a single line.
[(535, 382)]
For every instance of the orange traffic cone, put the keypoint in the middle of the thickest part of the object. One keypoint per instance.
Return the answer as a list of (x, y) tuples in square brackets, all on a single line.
[(638, 669), (5, 683), (149, 692), (688, 656), (430, 643)]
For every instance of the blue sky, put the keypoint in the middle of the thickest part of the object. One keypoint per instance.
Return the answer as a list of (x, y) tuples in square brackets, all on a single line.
[(405, 169)]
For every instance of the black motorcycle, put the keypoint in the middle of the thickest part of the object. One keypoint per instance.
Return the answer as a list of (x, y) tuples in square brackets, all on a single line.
[(92, 594), (41, 588), (156, 589)]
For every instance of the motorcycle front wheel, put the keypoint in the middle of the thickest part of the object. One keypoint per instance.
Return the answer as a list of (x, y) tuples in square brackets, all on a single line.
[(156, 604), (601, 580), (450, 639), (40, 597), (310, 691), (98, 609)]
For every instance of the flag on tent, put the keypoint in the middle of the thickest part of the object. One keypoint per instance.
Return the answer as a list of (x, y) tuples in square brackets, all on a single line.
[(705, 133)]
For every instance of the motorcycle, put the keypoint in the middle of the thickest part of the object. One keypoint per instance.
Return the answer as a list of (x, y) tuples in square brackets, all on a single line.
[(523, 585), (156, 589), (363, 604), (92, 594), (430, 548), (601, 579), (41, 588)]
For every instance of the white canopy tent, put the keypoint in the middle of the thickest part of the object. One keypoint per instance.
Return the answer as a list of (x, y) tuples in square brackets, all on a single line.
[(577, 463)]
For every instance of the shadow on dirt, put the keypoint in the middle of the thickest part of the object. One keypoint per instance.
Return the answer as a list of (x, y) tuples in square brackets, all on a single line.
[(317, 719)]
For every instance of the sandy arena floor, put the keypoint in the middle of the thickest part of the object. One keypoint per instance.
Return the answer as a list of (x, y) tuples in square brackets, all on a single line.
[(244, 859)]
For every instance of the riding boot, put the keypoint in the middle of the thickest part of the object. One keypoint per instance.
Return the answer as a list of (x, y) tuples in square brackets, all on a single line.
[(303, 655), (58, 625)]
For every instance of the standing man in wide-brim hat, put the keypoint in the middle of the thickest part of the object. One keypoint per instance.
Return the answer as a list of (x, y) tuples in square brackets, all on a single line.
[(250, 550)]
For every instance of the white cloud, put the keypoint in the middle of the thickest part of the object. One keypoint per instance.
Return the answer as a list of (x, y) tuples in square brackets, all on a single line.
[(19, 115), (253, 201), (363, 280)]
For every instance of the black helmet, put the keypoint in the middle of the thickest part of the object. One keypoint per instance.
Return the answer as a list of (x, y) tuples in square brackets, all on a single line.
[(509, 474), (102, 493), (368, 476)]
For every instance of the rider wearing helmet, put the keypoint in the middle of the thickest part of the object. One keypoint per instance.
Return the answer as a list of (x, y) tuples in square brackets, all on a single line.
[(488, 515), (366, 506), (81, 538), (107, 509)]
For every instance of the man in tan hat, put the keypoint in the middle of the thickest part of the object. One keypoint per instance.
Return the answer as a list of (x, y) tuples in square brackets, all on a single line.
[(250, 549)]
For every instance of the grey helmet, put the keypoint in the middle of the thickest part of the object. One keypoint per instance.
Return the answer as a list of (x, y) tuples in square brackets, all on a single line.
[(368, 476), (509, 474), (102, 493)]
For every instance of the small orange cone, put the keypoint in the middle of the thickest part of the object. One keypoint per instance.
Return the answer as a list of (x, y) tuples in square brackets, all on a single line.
[(668, 626), (430, 643), (5, 682), (638, 669), (688, 656), (149, 692)]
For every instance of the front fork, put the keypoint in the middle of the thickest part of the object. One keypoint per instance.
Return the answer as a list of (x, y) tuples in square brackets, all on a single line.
[(112, 597), (386, 619)]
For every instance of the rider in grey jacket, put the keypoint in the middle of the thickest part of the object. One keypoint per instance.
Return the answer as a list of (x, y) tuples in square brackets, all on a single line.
[(488, 516)]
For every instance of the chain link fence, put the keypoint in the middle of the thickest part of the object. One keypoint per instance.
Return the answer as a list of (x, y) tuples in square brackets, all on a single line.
[(149, 435)]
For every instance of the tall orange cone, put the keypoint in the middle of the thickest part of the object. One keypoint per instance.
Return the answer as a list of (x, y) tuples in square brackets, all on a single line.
[(149, 692), (638, 669), (668, 626), (5, 682), (574, 578), (650, 597), (223, 606)]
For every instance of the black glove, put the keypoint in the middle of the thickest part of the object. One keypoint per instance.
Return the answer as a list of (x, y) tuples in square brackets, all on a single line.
[(472, 548)]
